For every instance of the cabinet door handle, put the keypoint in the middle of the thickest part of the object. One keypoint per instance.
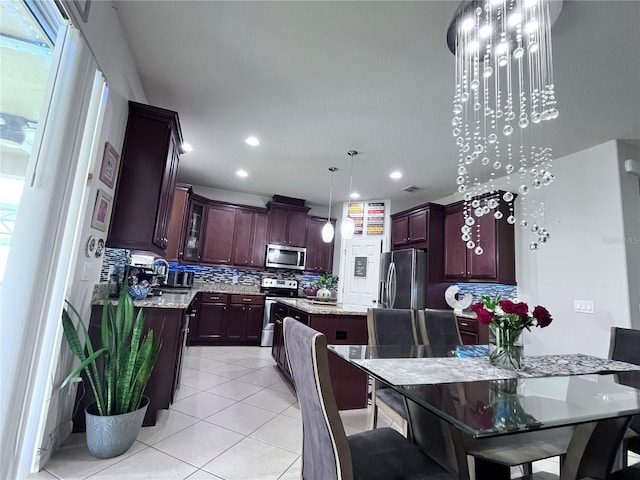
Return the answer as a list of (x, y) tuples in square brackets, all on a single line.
[(247, 299), (463, 324), (279, 322)]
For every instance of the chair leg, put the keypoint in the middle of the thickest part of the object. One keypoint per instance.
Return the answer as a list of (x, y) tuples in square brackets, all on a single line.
[(527, 468), (374, 416)]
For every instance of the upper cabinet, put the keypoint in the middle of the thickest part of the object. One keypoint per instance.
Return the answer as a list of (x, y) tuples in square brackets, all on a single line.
[(319, 253), (497, 262), (192, 239), (249, 246), (147, 179), (287, 224), (176, 222), (415, 228), (219, 235)]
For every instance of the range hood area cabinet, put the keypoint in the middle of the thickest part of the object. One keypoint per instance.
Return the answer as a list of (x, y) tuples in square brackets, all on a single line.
[(497, 263), (147, 180)]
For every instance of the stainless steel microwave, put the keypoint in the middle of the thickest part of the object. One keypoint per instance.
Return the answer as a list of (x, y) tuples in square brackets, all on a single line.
[(282, 256)]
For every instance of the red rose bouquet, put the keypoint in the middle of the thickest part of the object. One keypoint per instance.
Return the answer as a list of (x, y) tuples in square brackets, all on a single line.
[(507, 319)]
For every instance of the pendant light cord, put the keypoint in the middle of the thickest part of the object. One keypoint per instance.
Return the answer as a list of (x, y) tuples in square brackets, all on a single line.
[(351, 153), (331, 169)]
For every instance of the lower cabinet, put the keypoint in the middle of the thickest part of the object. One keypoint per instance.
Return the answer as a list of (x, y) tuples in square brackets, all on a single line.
[(473, 332), (349, 383), (162, 382), (223, 319)]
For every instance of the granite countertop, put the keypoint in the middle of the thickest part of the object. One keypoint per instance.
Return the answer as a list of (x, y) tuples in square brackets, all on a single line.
[(180, 298), (319, 309)]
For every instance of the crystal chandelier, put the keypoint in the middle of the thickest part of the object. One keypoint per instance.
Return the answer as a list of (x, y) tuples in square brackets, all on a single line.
[(504, 88)]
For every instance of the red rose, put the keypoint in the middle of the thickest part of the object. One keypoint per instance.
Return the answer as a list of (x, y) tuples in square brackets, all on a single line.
[(508, 306), (521, 309), (484, 316), (477, 306), (542, 316)]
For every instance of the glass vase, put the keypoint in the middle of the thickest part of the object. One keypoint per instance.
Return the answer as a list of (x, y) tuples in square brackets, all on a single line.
[(506, 348)]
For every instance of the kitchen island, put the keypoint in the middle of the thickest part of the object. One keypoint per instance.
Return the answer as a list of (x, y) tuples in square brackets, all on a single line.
[(341, 324)]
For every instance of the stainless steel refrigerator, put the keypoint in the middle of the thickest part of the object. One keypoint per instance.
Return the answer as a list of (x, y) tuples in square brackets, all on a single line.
[(403, 279)]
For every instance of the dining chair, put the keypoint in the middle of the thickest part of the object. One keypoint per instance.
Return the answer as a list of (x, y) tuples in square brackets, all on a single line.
[(327, 452), (390, 326), (624, 347), (438, 327)]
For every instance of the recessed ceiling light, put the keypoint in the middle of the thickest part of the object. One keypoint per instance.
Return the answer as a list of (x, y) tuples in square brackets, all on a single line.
[(186, 147), (253, 141), (396, 175), (355, 195), (242, 173)]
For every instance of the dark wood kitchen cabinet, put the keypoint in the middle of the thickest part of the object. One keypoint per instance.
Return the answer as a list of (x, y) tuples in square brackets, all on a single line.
[(411, 229), (219, 232), (278, 352), (211, 318), (472, 332), (191, 248), (287, 224), (319, 253), (249, 246), (146, 181), (179, 213), (227, 319), (246, 313), (497, 262), (348, 382)]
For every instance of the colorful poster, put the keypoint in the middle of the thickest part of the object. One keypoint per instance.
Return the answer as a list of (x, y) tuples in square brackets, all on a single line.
[(375, 218), (356, 212)]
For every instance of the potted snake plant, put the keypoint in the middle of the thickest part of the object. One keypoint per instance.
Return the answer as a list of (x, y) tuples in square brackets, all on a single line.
[(118, 370)]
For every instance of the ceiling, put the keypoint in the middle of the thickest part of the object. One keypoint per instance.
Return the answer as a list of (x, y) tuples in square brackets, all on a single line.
[(313, 80)]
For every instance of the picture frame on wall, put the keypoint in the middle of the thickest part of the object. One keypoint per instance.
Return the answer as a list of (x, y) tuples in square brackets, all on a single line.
[(102, 210), (109, 167)]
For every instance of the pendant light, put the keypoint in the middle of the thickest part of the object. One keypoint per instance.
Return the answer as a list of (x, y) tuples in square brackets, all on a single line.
[(348, 226), (327, 230)]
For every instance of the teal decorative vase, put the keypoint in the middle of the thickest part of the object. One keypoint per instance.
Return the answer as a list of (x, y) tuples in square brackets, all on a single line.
[(506, 348)]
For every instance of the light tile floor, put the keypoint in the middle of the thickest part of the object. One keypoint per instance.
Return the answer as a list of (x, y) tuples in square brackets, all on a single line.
[(234, 418)]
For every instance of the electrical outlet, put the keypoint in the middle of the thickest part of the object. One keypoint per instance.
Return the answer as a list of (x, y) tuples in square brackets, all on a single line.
[(86, 271), (583, 306)]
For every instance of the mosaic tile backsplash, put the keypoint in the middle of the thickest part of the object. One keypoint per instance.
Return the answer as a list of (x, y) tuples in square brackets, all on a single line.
[(118, 259), (232, 275), (479, 289)]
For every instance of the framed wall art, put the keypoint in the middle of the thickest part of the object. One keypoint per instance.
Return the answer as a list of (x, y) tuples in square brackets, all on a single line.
[(102, 211), (109, 168)]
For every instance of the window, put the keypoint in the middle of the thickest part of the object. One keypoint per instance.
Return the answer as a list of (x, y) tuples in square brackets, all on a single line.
[(26, 52)]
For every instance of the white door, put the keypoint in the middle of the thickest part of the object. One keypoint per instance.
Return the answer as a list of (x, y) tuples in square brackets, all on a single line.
[(360, 282)]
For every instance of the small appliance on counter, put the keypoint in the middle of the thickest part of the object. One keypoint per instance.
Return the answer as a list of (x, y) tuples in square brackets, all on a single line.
[(178, 279), (273, 289), (150, 269)]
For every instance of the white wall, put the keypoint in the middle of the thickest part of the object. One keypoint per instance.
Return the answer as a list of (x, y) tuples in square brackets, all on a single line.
[(630, 189), (580, 262)]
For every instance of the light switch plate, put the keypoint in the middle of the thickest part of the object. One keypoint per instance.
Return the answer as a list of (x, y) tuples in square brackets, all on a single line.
[(583, 306)]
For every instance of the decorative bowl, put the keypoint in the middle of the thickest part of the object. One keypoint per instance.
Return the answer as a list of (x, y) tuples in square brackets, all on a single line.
[(138, 292)]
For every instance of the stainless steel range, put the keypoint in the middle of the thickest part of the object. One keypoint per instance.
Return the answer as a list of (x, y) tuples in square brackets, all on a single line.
[(274, 289)]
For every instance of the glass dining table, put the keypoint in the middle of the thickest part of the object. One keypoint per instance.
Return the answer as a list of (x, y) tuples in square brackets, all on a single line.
[(455, 385)]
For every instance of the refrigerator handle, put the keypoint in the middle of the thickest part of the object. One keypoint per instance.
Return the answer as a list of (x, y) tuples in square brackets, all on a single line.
[(392, 285), (387, 286)]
